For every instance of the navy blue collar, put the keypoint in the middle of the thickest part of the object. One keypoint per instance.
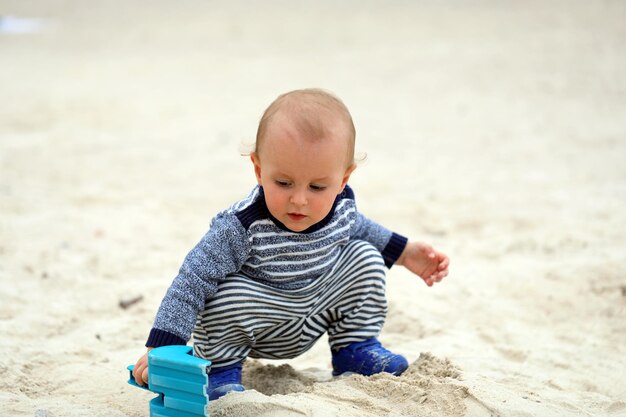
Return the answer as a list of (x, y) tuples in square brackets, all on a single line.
[(313, 228)]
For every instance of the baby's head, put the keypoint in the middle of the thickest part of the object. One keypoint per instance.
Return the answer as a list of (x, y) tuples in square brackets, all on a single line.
[(304, 156), (316, 115)]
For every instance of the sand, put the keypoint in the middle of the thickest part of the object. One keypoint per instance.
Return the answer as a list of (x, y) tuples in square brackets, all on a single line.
[(493, 130)]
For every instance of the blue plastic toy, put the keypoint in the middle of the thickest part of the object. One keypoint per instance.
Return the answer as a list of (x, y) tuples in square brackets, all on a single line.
[(180, 379)]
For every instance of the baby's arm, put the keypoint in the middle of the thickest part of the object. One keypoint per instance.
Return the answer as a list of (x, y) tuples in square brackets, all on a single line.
[(424, 261), (220, 252)]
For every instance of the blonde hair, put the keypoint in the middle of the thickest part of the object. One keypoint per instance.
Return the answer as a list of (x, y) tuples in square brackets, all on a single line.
[(311, 111)]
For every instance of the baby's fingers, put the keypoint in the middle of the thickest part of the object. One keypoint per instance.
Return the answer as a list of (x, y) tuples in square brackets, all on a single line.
[(445, 262), (144, 375), (435, 278), (140, 371), (138, 374), (441, 275)]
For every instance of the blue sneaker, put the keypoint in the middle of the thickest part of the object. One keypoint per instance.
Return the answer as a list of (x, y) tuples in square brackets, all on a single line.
[(367, 358), (224, 380)]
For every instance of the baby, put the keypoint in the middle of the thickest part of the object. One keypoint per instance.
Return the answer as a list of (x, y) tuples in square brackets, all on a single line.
[(292, 260)]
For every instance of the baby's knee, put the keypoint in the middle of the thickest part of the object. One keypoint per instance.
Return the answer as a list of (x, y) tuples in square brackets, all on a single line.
[(360, 254), (365, 249)]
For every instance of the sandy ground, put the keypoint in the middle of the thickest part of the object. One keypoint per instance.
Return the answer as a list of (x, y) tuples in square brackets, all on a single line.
[(493, 130)]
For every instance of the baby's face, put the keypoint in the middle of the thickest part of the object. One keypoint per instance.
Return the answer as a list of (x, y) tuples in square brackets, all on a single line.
[(301, 178)]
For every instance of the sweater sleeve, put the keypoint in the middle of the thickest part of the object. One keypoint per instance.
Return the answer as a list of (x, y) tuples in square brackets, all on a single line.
[(388, 243), (222, 251)]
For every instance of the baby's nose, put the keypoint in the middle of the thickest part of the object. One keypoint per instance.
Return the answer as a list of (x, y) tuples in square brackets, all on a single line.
[(298, 198)]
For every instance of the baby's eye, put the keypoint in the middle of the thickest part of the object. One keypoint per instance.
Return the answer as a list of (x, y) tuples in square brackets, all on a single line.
[(316, 187), (281, 183)]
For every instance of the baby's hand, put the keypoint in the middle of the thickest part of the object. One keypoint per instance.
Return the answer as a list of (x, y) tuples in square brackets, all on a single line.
[(423, 260), (140, 371)]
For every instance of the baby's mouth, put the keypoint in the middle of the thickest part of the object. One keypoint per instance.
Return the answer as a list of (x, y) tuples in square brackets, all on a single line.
[(296, 216)]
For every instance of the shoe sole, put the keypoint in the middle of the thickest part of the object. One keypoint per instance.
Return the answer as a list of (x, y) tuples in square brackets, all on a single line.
[(345, 374)]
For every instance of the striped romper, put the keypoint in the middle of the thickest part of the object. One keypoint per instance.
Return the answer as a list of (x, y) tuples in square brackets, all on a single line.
[(251, 287)]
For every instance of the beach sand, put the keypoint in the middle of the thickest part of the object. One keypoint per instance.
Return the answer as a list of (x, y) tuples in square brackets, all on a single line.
[(493, 130)]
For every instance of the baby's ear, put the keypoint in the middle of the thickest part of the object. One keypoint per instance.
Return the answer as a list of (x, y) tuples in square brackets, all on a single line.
[(254, 157), (346, 176)]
